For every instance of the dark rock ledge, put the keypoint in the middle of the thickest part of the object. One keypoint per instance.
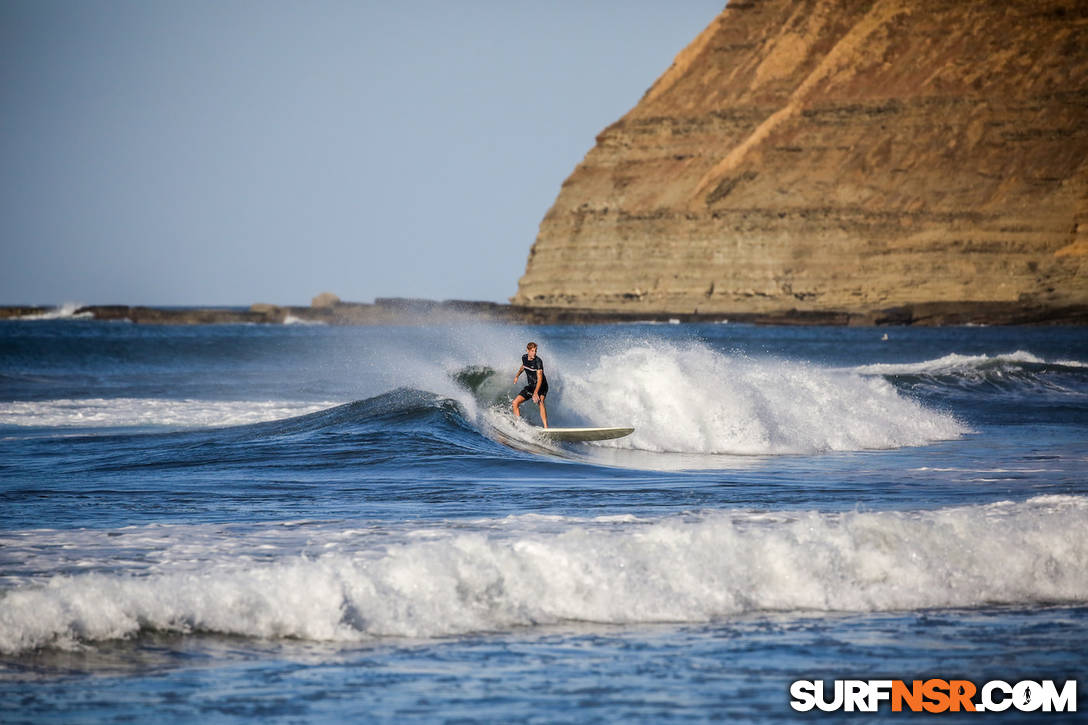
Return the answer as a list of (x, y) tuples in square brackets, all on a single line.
[(402, 311)]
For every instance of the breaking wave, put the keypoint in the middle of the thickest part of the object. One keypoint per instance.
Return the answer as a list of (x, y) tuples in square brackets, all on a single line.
[(66, 311), (680, 398), (323, 582), (692, 399), (1020, 375)]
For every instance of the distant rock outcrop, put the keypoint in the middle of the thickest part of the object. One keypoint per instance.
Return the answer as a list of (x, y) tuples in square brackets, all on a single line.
[(820, 155), (325, 299)]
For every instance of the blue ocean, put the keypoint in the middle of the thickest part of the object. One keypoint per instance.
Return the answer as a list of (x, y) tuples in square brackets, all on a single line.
[(301, 523)]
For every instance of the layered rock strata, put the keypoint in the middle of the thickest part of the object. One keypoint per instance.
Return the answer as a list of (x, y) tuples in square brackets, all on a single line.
[(812, 156)]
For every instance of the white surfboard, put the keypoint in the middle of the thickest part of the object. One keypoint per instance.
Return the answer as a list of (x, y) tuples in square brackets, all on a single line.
[(585, 434)]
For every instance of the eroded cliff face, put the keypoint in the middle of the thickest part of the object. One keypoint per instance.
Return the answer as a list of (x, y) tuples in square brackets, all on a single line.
[(822, 155)]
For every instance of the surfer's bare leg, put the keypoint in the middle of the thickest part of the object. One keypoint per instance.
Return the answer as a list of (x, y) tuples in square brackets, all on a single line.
[(517, 403), (543, 413)]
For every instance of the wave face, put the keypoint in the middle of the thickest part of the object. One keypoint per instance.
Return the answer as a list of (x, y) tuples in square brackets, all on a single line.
[(1019, 372), (378, 579)]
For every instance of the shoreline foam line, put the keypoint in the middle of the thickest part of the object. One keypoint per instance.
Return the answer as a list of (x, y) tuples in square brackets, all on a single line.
[(130, 412)]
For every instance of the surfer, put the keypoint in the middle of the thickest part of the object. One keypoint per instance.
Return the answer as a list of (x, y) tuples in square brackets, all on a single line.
[(537, 387)]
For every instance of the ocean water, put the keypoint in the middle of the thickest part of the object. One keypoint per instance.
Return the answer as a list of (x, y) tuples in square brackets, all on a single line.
[(322, 524)]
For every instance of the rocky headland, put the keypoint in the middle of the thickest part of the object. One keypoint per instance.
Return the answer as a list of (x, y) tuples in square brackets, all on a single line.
[(850, 162)]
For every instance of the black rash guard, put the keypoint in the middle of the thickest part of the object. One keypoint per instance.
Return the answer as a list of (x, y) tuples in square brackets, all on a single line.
[(532, 367)]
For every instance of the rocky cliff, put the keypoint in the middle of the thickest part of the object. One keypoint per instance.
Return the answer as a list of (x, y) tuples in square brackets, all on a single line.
[(822, 155)]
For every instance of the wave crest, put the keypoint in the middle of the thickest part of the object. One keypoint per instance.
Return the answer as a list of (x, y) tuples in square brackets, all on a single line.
[(970, 365)]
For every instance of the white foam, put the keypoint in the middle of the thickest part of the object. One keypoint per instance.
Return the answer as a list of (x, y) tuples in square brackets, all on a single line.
[(692, 399), (124, 412), (496, 574), (956, 363), (64, 311), (292, 320)]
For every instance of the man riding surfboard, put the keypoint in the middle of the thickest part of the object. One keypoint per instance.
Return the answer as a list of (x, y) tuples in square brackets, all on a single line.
[(537, 383)]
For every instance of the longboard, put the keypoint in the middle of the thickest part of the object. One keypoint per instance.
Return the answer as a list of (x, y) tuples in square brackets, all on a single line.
[(585, 434)]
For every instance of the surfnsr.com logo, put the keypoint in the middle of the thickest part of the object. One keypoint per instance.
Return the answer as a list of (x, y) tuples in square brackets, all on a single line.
[(934, 695)]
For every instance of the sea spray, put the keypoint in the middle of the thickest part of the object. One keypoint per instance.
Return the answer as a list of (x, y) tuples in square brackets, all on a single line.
[(689, 398)]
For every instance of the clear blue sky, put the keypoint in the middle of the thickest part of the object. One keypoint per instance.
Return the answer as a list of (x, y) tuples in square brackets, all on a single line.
[(192, 152)]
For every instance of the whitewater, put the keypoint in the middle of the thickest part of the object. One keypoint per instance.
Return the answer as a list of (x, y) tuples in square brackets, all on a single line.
[(349, 523)]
